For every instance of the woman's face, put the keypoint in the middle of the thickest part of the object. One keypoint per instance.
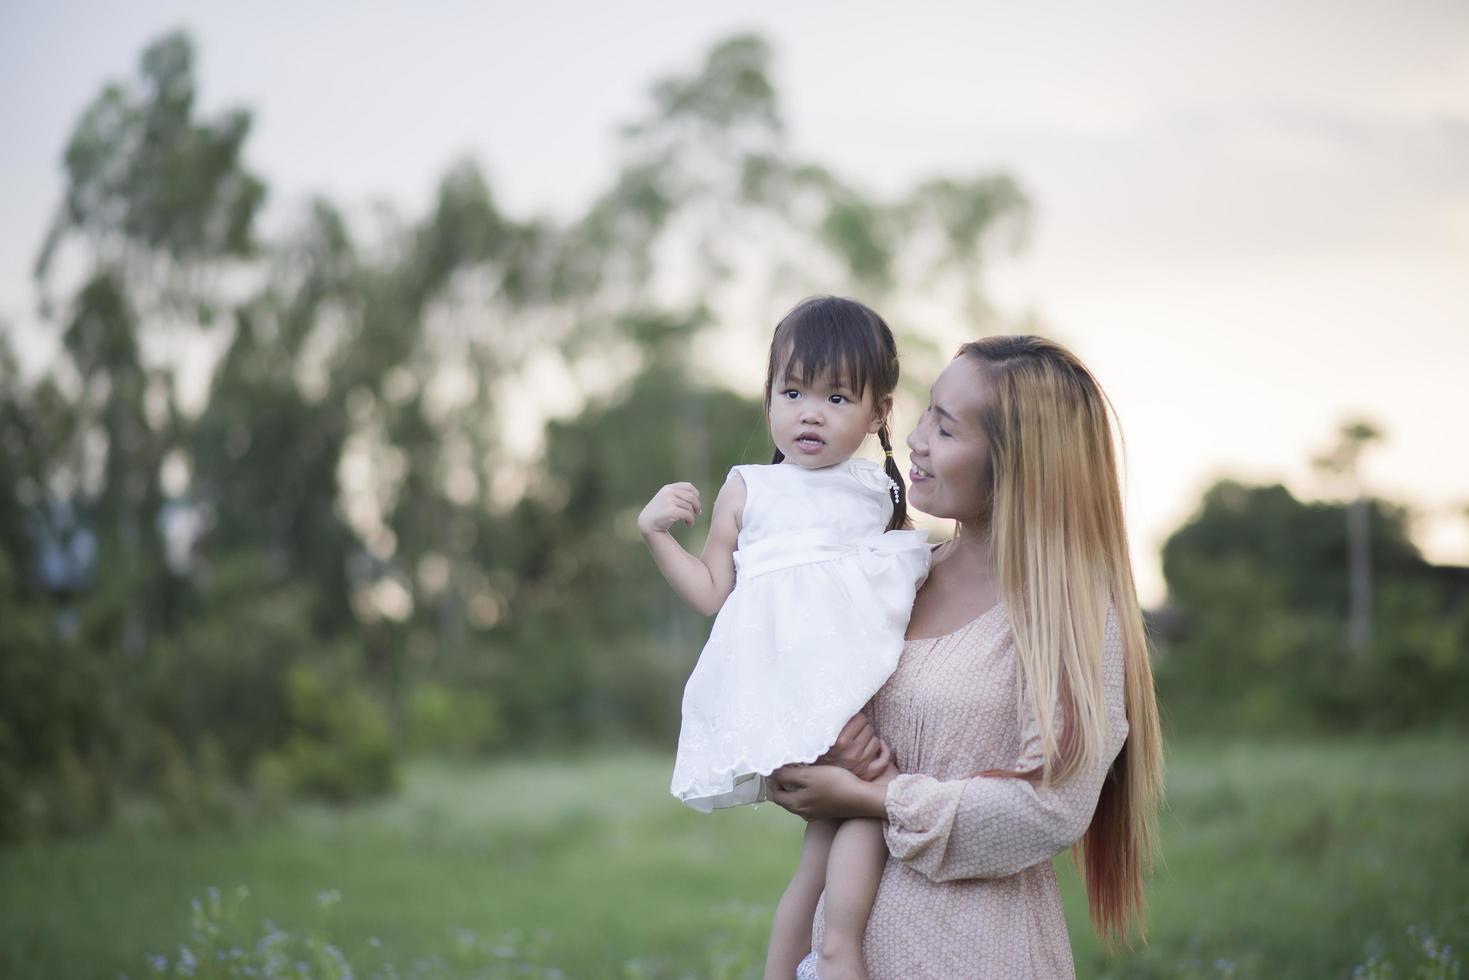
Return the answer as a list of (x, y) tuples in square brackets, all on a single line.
[(950, 454)]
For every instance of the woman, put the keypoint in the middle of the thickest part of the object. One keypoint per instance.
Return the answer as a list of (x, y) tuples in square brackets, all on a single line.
[(1021, 715)]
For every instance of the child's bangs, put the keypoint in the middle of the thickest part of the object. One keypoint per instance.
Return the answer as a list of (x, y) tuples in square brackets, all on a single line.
[(829, 351)]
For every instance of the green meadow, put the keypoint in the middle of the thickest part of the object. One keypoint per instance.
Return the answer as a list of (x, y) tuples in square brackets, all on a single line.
[(1305, 858)]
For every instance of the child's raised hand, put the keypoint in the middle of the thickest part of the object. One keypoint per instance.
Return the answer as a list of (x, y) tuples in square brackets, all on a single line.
[(675, 502)]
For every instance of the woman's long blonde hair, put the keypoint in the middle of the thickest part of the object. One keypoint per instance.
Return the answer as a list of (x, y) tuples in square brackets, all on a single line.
[(1059, 541)]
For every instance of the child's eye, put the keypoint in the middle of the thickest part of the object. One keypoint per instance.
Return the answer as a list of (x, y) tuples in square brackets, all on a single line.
[(791, 393), (839, 399)]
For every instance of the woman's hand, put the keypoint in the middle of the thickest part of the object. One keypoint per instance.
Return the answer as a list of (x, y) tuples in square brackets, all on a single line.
[(825, 792), (858, 749)]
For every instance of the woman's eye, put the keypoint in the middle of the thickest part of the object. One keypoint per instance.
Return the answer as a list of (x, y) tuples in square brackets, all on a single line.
[(944, 433)]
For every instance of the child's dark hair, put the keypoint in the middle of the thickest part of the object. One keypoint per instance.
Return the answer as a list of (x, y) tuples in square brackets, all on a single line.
[(848, 340)]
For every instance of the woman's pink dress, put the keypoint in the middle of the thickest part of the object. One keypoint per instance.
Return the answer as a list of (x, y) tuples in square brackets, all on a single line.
[(969, 890)]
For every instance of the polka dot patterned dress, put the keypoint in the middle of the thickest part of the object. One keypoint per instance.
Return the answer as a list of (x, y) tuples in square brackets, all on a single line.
[(968, 890)]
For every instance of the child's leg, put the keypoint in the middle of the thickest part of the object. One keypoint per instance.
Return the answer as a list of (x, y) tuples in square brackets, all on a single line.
[(853, 870), (790, 933)]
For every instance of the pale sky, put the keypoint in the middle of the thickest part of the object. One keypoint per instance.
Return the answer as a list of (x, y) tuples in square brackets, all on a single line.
[(1252, 219)]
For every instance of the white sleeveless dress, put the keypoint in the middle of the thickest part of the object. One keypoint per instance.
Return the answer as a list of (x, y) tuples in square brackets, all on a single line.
[(812, 629)]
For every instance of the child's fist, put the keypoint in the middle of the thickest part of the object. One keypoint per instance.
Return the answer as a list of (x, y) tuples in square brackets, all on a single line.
[(675, 502)]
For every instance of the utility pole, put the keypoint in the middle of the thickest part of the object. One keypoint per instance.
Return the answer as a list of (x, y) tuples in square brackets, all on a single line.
[(1342, 462)]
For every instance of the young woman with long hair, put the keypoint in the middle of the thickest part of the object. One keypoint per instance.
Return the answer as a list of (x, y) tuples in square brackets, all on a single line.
[(1021, 716)]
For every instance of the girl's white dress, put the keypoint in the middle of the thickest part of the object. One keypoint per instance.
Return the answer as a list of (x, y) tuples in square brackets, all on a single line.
[(812, 629)]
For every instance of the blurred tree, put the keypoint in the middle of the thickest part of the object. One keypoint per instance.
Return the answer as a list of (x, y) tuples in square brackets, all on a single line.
[(1303, 540), (264, 453), (432, 339), (57, 745), (1256, 597), (346, 499), (598, 643), (154, 196), (712, 205), (23, 452), (155, 202)]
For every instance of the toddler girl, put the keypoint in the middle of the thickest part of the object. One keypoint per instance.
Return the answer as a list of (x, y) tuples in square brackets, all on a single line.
[(813, 583)]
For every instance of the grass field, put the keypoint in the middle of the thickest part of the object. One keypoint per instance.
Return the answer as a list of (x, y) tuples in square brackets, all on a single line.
[(1289, 859)]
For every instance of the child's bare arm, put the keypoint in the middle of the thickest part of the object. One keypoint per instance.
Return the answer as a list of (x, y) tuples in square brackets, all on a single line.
[(704, 582)]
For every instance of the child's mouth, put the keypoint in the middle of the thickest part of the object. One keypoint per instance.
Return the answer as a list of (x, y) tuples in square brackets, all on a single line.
[(810, 444)]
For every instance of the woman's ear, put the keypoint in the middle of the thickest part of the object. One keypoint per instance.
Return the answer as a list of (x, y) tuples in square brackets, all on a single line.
[(880, 413)]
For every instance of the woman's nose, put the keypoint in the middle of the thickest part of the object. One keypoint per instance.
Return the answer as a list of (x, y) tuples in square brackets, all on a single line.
[(914, 440)]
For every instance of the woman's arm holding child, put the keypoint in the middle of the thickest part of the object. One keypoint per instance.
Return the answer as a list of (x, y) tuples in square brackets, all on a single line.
[(704, 582)]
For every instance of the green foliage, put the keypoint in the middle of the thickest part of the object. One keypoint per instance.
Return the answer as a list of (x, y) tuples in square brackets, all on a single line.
[(26, 438), (221, 944), (1305, 541), (341, 746), (599, 646), (1417, 955), (250, 676), (1284, 859), (192, 783), (225, 674), (732, 87), (1257, 586), (1417, 673), (854, 229), (338, 555), (56, 747), (541, 616), (453, 720), (145, 179)]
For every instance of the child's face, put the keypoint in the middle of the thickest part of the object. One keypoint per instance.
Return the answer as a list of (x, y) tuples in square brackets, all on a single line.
[(820, 423)]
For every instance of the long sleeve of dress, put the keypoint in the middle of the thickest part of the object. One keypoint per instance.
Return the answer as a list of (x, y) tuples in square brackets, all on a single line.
[(993, 827)]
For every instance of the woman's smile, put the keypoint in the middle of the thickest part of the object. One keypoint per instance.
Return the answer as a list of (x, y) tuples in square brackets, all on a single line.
[(948, 451)]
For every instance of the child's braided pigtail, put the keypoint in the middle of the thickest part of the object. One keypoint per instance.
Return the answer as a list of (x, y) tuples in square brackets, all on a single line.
[(895, 477)]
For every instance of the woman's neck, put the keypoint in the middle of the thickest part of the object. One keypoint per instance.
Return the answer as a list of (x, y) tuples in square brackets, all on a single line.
[(970, 549), (961, 586)]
